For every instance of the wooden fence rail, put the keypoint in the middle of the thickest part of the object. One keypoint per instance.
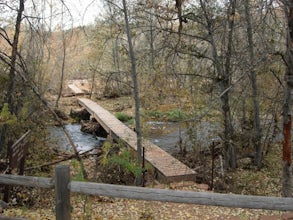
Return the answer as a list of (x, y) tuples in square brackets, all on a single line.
[(63, 187)]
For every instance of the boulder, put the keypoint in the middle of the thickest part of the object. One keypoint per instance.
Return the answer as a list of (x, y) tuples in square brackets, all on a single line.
[(93, 127), (80, 114)]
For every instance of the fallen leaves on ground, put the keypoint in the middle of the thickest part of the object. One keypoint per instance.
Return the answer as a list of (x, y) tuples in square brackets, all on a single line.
[(96, 208)]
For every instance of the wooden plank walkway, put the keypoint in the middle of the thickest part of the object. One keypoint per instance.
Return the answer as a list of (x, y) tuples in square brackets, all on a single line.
[(75, 89), (169, 168)]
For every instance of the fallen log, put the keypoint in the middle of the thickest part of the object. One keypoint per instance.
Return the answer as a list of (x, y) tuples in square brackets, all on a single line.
[(69, 157)]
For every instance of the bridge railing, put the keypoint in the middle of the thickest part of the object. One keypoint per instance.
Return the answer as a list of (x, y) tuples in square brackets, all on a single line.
[(63, 186)]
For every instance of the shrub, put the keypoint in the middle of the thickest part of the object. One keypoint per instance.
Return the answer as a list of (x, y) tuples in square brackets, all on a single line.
[(118, 166), (123, 117)]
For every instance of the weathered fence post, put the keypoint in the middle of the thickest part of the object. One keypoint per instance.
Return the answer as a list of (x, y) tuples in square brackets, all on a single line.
[(62, 180)]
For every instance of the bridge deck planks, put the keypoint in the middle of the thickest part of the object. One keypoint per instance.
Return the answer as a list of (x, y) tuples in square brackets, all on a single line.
[(169, 168), (75, 89)]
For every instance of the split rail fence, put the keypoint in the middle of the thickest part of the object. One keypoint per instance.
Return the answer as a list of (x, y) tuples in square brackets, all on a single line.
[(63, 187)]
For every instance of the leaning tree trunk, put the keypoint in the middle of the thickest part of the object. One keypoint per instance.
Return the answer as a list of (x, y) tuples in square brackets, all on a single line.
[(257, 126), (135, 91), (287, 160)]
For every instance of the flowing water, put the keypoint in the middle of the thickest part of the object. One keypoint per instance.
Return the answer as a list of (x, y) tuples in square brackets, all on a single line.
[(164, 134), (83, 141)]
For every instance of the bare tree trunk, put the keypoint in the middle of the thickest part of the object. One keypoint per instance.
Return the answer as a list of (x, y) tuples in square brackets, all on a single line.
[(152, 33), (225, 84), (63, 63), (257, 126), (135, 90), (10, 89), (11, 83), (287, 124), (62, 74), (224, 74)]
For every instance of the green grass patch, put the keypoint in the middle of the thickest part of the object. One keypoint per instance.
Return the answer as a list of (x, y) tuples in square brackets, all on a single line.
[(77, 174), (174, 115), (124, 117)]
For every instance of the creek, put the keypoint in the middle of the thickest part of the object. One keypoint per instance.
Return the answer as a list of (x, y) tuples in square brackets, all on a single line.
[(167, 135), (82, 140), (164, 134)]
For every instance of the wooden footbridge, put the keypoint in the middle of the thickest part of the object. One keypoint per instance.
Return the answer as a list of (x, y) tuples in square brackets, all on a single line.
[(168, 168), (76, 91)]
